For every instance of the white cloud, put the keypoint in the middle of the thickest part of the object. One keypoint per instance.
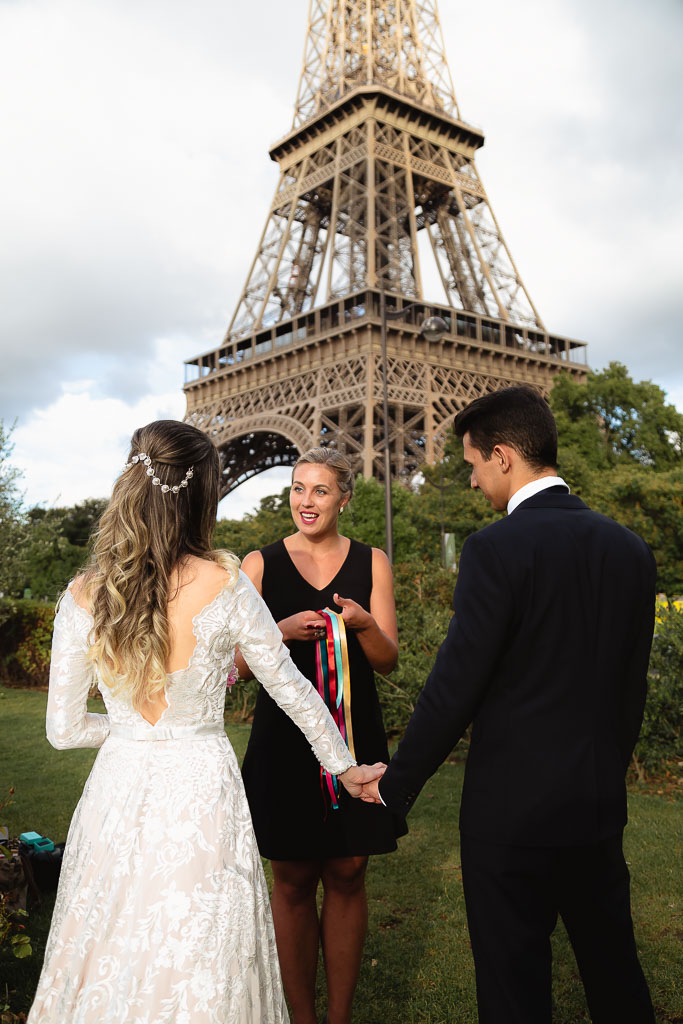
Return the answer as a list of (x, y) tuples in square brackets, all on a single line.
[(582, 163), (75, 447), (132, 184)]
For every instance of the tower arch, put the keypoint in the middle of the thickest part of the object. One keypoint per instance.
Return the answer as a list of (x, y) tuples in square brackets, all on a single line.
[(251, 444)]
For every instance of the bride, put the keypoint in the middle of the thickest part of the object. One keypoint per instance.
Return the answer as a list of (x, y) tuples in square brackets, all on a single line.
[(162, 913)]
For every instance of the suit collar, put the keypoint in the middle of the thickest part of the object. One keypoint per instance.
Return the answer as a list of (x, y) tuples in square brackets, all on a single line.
[(552, 497)]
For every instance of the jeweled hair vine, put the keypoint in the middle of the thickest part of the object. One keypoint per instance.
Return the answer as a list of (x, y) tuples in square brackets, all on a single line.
[(144, 460)]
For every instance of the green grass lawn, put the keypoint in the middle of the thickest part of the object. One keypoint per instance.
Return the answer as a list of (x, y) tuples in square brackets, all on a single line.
[(417, 967)]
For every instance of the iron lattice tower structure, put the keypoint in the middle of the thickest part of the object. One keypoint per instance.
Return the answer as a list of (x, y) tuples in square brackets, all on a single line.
[(378, 192)]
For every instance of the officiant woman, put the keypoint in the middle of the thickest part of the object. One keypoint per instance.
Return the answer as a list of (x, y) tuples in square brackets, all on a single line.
[(312, 834)]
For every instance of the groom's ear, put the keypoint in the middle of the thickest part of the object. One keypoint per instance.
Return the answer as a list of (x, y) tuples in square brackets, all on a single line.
[(503, 457)]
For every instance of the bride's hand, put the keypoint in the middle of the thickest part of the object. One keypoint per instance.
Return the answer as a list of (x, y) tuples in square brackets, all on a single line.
[(354, 778), (302, 626)]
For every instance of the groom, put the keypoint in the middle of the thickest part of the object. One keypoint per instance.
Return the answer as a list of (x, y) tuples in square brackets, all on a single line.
[(546, 655)]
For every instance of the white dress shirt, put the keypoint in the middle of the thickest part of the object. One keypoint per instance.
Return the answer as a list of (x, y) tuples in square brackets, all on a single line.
[(533, 487)]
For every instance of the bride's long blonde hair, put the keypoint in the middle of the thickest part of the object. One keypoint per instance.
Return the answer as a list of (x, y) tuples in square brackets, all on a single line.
[(143, 536)]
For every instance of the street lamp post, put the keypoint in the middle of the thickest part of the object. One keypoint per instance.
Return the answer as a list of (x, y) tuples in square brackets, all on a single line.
[(433, 328), (388, 513)]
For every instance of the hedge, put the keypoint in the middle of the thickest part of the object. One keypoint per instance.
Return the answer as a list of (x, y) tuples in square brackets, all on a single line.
[(660, 735), (25, 642)]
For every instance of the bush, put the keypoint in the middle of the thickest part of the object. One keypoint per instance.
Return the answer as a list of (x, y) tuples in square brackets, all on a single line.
[(15, 943), (423, 601), (660, 735), (25, 642), (424, 593), (240, 701)]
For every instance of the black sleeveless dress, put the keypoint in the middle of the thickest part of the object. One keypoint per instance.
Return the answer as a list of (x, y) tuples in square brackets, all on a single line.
[(281, 773)]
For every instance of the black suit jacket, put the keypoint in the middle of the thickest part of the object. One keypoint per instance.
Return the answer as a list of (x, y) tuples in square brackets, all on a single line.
[(547, 655)]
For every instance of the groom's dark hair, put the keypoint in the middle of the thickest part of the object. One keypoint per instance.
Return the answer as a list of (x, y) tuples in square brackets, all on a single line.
[(517, 416)]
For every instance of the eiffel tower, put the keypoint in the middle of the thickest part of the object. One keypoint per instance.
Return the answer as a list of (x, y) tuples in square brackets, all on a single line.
[(378, 192)]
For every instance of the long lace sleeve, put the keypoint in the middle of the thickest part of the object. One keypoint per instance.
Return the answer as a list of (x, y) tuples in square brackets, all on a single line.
[(254, 631), (68, 723)]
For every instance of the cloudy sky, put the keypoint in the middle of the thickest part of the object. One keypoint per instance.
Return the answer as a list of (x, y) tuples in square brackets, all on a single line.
[(135, 180)]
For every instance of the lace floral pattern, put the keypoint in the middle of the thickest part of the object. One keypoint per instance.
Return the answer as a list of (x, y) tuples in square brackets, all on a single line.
[(162, 914)]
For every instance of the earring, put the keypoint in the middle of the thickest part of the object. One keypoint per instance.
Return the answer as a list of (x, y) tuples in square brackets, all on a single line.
[(341, 509)]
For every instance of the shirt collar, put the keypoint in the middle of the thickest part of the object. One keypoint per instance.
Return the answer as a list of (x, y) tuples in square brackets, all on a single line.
[(534, 487)]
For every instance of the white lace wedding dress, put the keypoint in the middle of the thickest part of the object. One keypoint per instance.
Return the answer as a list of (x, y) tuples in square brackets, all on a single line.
[(162, 913)]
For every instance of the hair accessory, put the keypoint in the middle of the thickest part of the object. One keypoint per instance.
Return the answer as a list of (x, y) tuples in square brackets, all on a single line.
[(143, 459)]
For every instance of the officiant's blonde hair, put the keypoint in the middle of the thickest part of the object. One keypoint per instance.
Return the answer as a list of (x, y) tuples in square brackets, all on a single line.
[(333, 460), (151, 523)]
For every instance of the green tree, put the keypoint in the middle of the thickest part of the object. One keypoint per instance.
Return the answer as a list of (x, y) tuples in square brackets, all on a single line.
[(269, 523), (610, 419), (447, 499), (424, 593), (650, 504), (12, 520), (48, 559), (56, 545), (365, 519), (80, 520)]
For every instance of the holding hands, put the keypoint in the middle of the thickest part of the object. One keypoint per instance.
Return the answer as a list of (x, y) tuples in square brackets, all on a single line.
[(356, 778), (370, 790)]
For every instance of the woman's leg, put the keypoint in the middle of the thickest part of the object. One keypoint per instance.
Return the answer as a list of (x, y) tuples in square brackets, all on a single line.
[(343, 924), (297, 931)]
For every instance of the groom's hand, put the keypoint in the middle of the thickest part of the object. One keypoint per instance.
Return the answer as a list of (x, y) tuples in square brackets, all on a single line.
[(355, 778), (370, 792)]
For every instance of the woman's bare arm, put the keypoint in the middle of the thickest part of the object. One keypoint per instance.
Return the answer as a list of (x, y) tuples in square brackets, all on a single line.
[(376, 630)]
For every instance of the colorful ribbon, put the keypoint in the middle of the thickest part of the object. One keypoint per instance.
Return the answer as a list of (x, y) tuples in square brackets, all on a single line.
[(333, 680)]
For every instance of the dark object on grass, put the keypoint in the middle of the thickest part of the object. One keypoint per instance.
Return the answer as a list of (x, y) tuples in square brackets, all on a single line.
[(45, 865)]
